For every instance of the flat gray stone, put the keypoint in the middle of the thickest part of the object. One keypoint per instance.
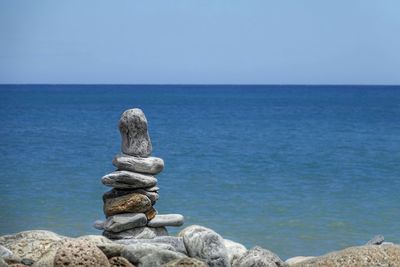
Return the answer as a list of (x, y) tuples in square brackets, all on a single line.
[(151, 165), (152, 189), (98, 224), (134, 133), (173, 241), (113, 193), (166, 220), (138, 233), (205, 244), (376, 240), (127, 179), (258, 256), (120, 222)]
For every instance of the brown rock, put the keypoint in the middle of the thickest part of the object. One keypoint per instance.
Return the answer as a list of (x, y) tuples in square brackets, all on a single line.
[(363, 256), (131, 203), (151, 213), (185, 262), (120, 262), (79, 253), (113, 193)]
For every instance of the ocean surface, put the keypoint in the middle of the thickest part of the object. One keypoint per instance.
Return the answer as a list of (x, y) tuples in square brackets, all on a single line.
[(299, 170)]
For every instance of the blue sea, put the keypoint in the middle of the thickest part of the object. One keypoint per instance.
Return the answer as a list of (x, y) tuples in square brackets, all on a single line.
[(299, 170)]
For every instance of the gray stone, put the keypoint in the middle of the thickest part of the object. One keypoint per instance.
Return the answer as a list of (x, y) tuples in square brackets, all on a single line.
[(151, 165), (120, 262), (125, 221), (376, 240), (259, 257), (98, 224), (206, 245), (127, 179), (152, 189), (139, 233), (150, 254), (175, 242), (5, 252), (297, 259), (3, 263), (134, 133), (235, 250), (113, 193), (27, 262), (166, 220), (185, 262)]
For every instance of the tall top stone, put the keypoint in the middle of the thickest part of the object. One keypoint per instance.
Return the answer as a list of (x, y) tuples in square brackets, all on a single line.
[(134, 133)]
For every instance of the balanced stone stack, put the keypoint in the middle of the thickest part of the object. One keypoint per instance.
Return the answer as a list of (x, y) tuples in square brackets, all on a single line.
[(129, 206)]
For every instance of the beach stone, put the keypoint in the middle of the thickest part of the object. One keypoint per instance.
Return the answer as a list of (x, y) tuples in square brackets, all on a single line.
[(138, 233), (151, 213), (235, 250), (127, 179), (30, 244), (259, 257), (205, 244), (121, 222), (5, 252), (134, 133), (297, 259), (185, 262), (152, 189), (113, 193), (120, 262), (151, 165), (175, 242), (376, 240), (75, 252), (98, 224), (362, 256), (150, 254), (132, 203), (166, 220)]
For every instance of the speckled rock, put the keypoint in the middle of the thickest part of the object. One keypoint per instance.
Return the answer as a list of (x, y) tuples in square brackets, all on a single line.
[(125, 221), (235, 250), (120, 262), (175, 242), (30, 244), (166, 220), (127, 179), (79, 253), (139, 233), (259, 257), (113, 193), (134, 133), (132, 203), (185, 262), (206, 245), (151, 165), (362, 256)]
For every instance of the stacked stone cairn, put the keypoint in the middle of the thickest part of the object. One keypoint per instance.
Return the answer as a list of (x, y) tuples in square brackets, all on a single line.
[(129, 206)]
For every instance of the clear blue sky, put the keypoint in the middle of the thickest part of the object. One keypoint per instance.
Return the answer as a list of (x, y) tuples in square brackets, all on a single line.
[(203, 41)]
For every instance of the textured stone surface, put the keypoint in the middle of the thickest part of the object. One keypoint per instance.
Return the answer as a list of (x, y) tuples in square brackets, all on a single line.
[(134, 133), (127, 179), (121, 222), (297, 259), (113, 193), (376, 240), (235, 250), (150, 254), (151, 213), (185, 262), (132, 203), (3, 263), (30, 244), (76, 252), (363, 256), (166, 220), (206, 245), (151, 165), (5, 252), (120, 262), (259, 257), (139, 233), (175, 242)]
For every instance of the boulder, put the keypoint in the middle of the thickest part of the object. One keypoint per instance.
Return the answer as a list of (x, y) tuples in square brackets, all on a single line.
[(121, 222), (151, 165), (128, 180), (362, 256), (185, 262), (166, 220), (139, 233), (132, 203), (134, 133), (75, 252), (205, 244), (175, 242), (235, 250), (376, 240), (120, 262), (113, 193), (259, 257)]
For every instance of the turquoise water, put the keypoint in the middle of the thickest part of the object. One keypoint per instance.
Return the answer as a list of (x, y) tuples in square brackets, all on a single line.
[(299, 170)]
